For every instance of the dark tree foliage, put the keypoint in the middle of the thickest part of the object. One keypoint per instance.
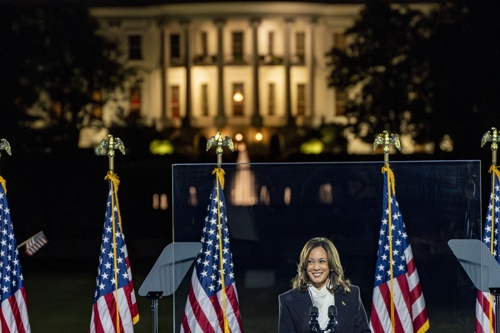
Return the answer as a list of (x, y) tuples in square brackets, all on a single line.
[(53, 47), (426, 75), (383, 71)]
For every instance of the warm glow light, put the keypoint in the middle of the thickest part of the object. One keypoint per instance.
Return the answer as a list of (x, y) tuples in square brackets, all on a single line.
[(161, 147), (193, 200), (238, 137), (325, 194), (156, 201), (446, 143), (258, 136), (163, 202), (238, 97), (313, 146), (287, 196)]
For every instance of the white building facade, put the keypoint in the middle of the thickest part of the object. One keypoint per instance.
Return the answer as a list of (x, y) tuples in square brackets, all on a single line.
[(236, 67)]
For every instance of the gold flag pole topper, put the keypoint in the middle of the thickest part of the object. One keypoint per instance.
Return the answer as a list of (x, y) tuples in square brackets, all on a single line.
[(220, 142), (494, 139), (492, 136), (111, 144), (4, 145), (387, 139)]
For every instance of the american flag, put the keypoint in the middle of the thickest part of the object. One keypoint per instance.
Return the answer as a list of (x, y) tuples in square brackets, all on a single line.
[(115, 306), (14, 312), (209, 306), (398, 302), (35, 243), (485, 307)]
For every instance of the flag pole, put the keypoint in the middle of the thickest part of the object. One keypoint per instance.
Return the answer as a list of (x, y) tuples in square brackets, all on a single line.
[(386, 140), (110, 144), (220, 142), (492, 136), (26, 241)]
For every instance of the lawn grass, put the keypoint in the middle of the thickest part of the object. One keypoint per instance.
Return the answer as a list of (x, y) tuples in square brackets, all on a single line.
[(61, 302)]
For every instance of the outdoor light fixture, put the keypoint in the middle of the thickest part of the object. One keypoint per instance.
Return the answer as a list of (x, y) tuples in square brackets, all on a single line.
[(238, 97)]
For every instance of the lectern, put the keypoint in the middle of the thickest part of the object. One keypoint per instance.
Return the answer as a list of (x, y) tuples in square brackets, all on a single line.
[(481, 267), (167, 273)]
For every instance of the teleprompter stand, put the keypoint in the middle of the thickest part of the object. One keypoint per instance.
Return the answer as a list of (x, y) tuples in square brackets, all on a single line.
[(481, 267), (167, 273)]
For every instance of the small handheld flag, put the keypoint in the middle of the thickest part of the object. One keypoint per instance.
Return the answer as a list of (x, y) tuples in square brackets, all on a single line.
[(34, 243)]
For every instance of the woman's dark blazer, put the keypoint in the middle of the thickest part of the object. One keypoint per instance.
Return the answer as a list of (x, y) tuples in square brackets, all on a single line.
[(295, 305)]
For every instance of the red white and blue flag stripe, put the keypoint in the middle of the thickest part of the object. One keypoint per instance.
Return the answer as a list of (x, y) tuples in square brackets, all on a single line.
[(485, 302), (398, 302), (14, 311), (115, 306), (209, 308)]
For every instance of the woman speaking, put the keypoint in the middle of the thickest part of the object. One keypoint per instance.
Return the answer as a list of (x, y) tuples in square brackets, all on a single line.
[(321, 300)]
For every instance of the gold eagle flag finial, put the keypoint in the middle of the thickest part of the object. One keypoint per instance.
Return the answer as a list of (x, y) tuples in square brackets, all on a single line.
[(220, 141), (110, 144), (385, 138), (5, 145), (491, 136)]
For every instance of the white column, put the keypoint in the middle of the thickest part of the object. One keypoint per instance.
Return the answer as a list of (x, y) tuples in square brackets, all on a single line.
[(186, 121), (256, 117), (220, 119)]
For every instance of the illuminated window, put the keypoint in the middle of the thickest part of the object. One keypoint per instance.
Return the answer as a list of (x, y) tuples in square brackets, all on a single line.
[(204, 44), (287, 196), (300, 45), (265, 197), (97, 102), (156, 201), (340, 102), (174, 101), (204, 99), (193, 199), (272, 99), (160, 201), (135, 100), (175, 46), (339, 40), (238, 97), (270, 43), (163, 202), (238, 46), (134, 47), (325, 194), (301, 99)]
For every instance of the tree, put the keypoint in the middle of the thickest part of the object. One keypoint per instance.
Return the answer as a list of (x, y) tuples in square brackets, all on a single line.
[(414, 74), (52, 50)]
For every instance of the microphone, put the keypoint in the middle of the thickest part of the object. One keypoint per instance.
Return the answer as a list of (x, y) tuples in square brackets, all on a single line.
[(332, 318), (313, 319)]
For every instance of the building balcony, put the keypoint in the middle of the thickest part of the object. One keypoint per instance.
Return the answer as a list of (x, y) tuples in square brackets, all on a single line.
[(270, 60), (298, 60), (205, 60), (239, 60), (175, 62)]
